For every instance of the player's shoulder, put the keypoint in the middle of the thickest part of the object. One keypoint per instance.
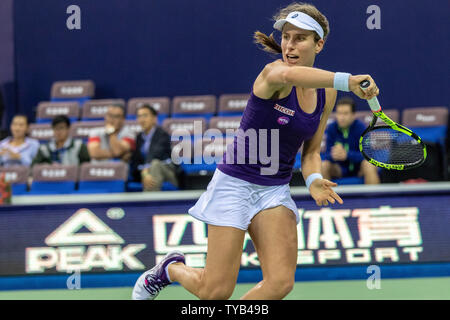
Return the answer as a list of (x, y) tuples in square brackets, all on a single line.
[(270, 67)]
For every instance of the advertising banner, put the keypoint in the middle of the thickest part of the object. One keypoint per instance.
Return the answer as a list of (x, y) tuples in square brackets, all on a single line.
[(133, 236)]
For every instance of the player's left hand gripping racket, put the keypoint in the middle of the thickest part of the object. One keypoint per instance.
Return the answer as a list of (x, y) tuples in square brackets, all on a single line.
[(393, 146)]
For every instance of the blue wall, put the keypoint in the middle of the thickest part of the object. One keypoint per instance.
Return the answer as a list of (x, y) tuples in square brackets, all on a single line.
[(167, 48), (7, 85)]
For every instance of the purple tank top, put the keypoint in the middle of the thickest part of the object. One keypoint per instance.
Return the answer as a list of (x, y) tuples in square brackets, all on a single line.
[(269, 137)]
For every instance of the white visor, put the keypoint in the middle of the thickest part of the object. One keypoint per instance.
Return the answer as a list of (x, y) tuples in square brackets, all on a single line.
[(300, 20)]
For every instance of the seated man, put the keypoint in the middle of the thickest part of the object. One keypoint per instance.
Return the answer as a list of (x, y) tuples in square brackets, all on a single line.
[(18, 149), (62, 148), (151, 161), (342, 156), (115, 142)]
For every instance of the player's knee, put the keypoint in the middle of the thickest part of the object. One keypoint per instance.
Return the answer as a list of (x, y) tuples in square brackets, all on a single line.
[(219, 292), (281, 286)]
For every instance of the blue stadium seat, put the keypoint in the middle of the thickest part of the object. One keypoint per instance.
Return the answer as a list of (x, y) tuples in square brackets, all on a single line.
[(137, 187), (82, 129), (349, 180), (232, 104), (19, 189), (198, 168), (48, 187), (78, 91), (40, 131), (298, 161), (225, 124), (429, 123), (185, 127), (194, 106), (46, 111), (103, 177), (17, 176), (53, 179), (101, 186), (95, 110), (160, 104)]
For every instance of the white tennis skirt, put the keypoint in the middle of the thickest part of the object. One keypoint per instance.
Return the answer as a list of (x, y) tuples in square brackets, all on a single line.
[(233, 202)]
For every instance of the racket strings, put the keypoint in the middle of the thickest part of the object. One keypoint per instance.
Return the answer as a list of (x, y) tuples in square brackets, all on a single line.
[(391, 147)]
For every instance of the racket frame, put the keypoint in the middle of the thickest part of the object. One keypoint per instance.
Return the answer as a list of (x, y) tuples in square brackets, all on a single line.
[(378, 113)]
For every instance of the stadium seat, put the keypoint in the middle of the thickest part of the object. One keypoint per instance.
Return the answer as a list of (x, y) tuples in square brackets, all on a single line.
[(46, 111), (102, 177), (53, 179), (349, 180), (194, 106), (95, 110), (82, 129), (212, 151), (160, 104), (182, 153), (232, 104), (40, 131), (430, 123), (137, 187), (17, 176), (184, 127), (79, 91), (226, 125), (298, 159), (133, 126), (366, 116)]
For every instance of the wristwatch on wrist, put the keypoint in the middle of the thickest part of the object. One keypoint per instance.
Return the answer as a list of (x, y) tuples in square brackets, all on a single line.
[(110, 130)]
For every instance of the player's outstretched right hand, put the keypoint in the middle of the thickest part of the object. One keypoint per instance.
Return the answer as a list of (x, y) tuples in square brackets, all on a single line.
[(354, 86)]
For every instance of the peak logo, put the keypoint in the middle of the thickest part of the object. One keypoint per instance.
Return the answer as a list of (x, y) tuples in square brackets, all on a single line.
[(70, 250)]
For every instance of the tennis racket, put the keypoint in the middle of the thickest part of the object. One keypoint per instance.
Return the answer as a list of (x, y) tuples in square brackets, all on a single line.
[(391, 146)]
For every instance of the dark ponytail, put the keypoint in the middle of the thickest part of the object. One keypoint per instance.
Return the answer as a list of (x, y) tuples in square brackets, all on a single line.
[(267, 43)]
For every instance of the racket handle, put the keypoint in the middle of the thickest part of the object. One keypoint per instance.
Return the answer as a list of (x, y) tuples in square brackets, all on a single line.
[(373, 103)]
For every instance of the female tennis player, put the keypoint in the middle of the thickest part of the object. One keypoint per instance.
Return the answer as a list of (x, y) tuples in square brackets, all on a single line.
[(294, 99)]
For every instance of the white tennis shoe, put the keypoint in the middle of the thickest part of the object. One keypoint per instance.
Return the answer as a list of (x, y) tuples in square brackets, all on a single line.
[(151, 282)]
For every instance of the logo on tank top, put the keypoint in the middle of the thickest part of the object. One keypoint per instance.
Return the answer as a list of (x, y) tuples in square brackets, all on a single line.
[(284, 110), (283, 120)]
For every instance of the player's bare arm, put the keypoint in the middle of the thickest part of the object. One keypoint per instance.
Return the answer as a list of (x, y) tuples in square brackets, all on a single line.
[(320, 189)]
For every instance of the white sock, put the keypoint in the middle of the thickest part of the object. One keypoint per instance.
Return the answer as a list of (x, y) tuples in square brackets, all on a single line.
[(167, 270)]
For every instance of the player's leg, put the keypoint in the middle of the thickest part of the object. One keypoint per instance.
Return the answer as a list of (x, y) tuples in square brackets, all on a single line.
[(369, 172), (218, 279), (331, 170), (274, 234)]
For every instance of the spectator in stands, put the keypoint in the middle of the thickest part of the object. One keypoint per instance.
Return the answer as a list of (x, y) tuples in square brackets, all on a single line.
[(342, 156), (151, 161), (18, 149), (115, 142), (62, 148)]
